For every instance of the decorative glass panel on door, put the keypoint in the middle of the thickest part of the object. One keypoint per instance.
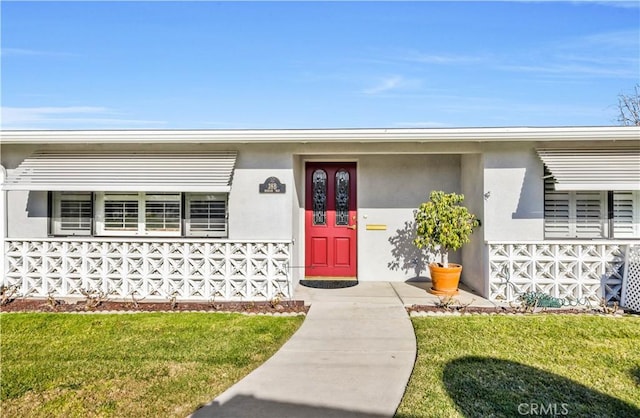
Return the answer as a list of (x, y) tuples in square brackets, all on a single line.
[(342, 198), (319, 197)]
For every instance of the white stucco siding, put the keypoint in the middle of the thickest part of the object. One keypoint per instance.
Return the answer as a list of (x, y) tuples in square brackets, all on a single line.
[(514, 193), (389, 189), (472, 173), (27, 214), (255, 215)]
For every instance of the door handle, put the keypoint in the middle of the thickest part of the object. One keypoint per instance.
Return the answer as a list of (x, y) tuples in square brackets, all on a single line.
[(354, 226)]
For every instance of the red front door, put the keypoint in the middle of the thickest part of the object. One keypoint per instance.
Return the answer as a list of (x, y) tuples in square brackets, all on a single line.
[(330, 220)]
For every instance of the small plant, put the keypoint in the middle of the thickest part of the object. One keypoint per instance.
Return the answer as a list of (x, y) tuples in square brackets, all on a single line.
[(215, 305), (135, 303), (442, 225), (532, 300), (93, 298), (173, 301), (8, 294), (464, 306), (276, 303), (446, 303), (608, 309), (52, 303)]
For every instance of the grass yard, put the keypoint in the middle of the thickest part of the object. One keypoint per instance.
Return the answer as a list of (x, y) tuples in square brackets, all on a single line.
[(538, 365), (129, 365)]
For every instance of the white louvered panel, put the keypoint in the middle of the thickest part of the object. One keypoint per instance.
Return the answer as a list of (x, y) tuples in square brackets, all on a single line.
[(75, 212), (117, 171), (594, 168), (626, 214), (162, 212), (589, 218), (121, 215), (207, 215), (556, 212)]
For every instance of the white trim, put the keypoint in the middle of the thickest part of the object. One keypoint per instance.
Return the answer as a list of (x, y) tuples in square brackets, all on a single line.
[(513, 134)]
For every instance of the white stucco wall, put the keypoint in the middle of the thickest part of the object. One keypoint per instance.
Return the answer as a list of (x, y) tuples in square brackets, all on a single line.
[(27, 214), (255, 215), (514, 203), (472, 173), (390, 187), (502, 184)]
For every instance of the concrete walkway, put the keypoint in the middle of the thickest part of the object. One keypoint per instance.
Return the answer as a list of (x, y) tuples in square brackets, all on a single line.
[(352, 357)]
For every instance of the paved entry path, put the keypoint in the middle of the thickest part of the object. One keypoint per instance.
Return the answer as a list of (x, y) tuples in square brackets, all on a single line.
[(352, 357)]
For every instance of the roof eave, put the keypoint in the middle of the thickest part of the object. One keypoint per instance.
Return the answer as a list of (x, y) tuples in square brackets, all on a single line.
[(622, 133)]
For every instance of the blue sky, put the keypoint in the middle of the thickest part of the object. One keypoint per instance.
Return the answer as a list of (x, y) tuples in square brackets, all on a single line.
[(244, 65)]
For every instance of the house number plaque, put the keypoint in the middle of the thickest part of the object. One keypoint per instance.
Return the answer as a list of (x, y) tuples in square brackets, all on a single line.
[(273, 185)]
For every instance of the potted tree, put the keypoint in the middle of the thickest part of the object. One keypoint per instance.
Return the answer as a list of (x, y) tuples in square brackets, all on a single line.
[(443, 225)]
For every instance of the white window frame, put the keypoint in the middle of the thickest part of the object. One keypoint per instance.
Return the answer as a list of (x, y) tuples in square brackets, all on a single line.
[(97, 225), (572, 221), (173, 197), (219, 197), (56, 213), (141, 198), (610, 220)]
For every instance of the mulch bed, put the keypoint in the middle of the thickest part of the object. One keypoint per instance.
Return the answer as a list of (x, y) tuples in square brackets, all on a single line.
[(507, 310), (51, 305)]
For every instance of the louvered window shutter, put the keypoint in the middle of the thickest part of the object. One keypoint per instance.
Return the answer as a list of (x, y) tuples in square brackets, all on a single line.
[(556, 211), (71, 213), (590, 221), (573, 214), (626, 214)]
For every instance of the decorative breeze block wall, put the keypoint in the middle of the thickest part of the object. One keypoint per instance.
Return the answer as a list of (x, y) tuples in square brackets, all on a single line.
[(581, 273), (184, 270)]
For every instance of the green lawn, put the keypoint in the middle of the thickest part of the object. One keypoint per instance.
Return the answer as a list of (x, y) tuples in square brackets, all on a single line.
[(536, 365), (130, 365)]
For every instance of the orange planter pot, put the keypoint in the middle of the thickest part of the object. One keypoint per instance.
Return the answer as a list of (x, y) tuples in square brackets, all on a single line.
[(444, 281)]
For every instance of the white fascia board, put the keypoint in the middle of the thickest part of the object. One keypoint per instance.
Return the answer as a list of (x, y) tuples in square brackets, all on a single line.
[(43, 187), (240, 136)]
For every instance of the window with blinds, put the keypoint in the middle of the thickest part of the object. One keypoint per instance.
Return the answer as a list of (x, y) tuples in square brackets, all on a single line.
[(570, 214), (590, 214), (134, 214), (626, 214), (120, 213), (162, 212), (72, 213), (556, 212), (206, 214)]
